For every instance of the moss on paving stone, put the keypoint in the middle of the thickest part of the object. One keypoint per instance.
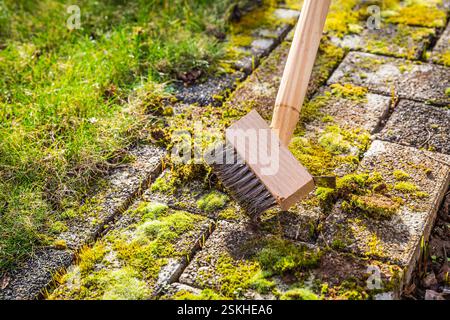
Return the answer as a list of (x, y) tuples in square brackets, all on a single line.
[(279, 269), (441, 52), (391, 40), (127, 262), (387, 206), (419, 125), (398, 77)]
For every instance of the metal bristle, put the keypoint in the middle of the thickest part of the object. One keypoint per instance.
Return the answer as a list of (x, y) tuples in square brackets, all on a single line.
[(242, 183)]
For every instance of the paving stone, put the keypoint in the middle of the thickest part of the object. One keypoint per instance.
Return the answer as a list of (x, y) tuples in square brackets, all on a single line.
[(364, 112), (286, 14), (396, 239), (391, 40), (139, 251), (113, 196), (232, 250), (172, 291), (263, 46), (204, 93), (260, 89), (298, 223), (417, 81), (236, 242), (441, 52), (187, 197), (278, 33), (419, 125), (28, 280)]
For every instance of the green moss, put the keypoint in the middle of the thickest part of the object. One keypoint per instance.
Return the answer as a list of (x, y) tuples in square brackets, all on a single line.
[(168, 228), (60, 244), (151, 210), (58, 227), (279, 256), (447, 91), (205, 294), (341, 18), (350, 290), (352, 183), (228, 214), (261, 284), (325, 195), (338, 244), (161, 185), (235, 276), (401, 175), (330, 150), (334, 143), (212, 201), (406, 187), (376, 206), (299, 294), (419, 14), (349, 91), (124, 284)]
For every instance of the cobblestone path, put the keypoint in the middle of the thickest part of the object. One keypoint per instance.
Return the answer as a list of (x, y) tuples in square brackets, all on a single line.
[(378, 117)]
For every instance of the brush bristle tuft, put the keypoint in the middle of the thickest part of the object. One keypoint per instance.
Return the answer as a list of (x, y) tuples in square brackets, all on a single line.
[(241, 182)]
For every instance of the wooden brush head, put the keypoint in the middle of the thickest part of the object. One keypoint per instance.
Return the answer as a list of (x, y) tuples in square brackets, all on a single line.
[(272, 163)]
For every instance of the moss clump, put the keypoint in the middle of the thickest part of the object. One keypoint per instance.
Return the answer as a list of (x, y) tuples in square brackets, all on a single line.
[(234, 276), (229, 213), (299, 294), (406, 187), (280, 256), (212, 201), (168, 228), (89, 257), (325, 195), (418, 14), (261, 284), (401, 175), (331, 150), (447, 91), (376, 206), (352, 183), (124, 284), (58, 227), (349, 91), (151, 210), (205, 294), (342, 18), (334, 143)]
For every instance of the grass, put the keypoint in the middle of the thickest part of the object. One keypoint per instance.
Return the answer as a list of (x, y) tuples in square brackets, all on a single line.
[(64, 116)]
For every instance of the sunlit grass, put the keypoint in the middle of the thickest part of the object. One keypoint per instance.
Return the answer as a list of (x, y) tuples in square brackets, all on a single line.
[(64, 115)]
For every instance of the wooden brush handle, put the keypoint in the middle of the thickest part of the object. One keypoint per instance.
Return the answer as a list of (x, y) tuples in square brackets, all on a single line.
[(299, 65)]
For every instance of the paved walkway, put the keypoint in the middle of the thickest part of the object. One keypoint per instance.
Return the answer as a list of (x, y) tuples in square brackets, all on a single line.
[(378, 117)]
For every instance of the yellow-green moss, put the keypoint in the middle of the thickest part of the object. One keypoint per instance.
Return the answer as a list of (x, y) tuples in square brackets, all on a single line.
[(419, 15), (376, 206), (212, 201), (261, 284), (349, 91), (124, 284), (406, 187), (299, 294), (401, 175), (205, 294), (151, 210), (334, 142), (234, 276), (279, 256), (89, 257)]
